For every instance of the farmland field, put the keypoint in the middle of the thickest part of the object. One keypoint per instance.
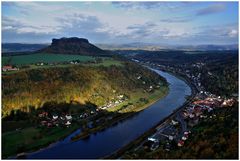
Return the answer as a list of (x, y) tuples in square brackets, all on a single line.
[(42, 57)]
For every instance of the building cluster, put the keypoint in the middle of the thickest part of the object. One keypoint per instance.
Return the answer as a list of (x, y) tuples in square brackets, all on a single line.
[(176, 130), (120, 98), (51, 120)]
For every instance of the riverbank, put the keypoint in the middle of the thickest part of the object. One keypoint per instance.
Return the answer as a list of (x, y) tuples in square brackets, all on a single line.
[(119, 153), (31, 137), (39, 145), (117, 136), (157, 95), (59, 134)]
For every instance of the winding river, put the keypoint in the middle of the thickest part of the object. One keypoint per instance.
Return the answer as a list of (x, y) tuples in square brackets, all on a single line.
[(108, 141)]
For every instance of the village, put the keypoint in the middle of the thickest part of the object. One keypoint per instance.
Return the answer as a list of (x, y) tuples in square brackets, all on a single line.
[(63, 119), (176, 130)]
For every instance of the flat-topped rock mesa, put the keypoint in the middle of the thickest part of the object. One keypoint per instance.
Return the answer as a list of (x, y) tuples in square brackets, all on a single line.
[(73, 45)]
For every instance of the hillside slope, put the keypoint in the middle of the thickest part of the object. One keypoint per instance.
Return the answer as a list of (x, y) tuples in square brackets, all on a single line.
[(83, 84)]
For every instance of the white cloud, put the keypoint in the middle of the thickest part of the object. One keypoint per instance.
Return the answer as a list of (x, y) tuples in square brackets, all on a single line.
[(233, 33), (215, 8), (147, 21)]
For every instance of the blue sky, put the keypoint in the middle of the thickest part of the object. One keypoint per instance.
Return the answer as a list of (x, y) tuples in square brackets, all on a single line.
[(187, 23)]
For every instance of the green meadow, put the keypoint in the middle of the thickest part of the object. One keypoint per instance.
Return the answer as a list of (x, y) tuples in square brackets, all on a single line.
[(42, 57)]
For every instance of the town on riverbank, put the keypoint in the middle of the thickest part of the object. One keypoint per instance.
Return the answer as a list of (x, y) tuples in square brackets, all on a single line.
[(175, 131)]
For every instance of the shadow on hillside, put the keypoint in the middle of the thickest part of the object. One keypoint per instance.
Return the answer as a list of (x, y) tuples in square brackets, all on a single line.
[(88, 116), (53, 116)]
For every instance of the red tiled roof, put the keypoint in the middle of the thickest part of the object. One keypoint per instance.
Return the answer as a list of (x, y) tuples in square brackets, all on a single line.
[(7, 67)]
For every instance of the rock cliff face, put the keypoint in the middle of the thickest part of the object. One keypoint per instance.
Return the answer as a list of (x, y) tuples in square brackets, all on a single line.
[(73, 45)]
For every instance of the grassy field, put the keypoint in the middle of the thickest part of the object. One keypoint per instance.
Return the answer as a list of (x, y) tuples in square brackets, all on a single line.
[(31, 59), (137, 104), (42, 57), (106, 62), (32, 138)]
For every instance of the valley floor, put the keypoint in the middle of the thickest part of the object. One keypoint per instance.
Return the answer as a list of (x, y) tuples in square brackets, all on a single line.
[(34, 137)]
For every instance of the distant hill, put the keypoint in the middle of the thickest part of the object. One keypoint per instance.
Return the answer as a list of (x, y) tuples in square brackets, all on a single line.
[(208, 47), (73, 45), (159, 47), (19, 47)]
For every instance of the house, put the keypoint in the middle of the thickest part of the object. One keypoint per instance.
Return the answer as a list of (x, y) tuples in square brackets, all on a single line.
[(185, 114), (68, 117), (180, 143), (170, 137), (174, 122), (184, 138), (55, 117), (6, 68), (9, 68), (68, 123), (152, 139), (191, 116), (185, 134)]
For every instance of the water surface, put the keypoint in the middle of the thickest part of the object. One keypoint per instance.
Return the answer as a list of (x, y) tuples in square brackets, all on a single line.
[(108, 141)]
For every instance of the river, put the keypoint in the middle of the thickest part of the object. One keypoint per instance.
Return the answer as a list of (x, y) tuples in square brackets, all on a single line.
[(113, 138)]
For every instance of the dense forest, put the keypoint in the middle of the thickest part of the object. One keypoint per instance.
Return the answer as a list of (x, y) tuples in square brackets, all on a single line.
[(82, 84)]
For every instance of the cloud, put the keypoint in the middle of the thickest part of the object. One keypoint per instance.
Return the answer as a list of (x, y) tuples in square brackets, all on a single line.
[(141, 30), (137, 5), (16, 30), (233, 33), (154, 32), (170, 6), (218, 34), (216, 8), (172, 22), (83, 25), (177, 19), (20, 27)]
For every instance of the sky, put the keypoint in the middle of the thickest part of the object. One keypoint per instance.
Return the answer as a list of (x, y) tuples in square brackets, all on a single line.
[(167, 23)]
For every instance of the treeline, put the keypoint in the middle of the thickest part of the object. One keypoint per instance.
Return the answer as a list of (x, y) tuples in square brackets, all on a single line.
[(219, 72), (224, 78), (183, 57), (82, 84)]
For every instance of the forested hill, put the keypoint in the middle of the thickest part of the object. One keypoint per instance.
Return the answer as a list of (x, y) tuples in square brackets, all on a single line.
[(218, 69), (73, 45), (97, 85), (19, 47)]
